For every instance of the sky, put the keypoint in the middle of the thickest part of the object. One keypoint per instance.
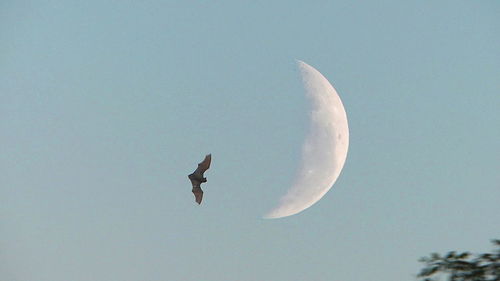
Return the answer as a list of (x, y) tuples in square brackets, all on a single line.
[(107, 106)]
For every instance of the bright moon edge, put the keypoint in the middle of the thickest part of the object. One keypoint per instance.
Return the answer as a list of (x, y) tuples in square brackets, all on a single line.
[(324, 151)]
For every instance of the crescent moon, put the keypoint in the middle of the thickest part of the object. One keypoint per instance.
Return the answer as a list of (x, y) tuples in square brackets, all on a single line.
[(325, 149)]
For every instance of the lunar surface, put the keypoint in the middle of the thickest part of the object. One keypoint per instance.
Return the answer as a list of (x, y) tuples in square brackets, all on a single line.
[(325, 148)]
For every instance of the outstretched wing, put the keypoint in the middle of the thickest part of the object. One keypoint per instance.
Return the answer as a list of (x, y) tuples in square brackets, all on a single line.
[(198, 194), (204, 165)]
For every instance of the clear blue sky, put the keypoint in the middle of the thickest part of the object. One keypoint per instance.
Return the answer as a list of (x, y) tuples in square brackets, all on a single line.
[(106, 106)]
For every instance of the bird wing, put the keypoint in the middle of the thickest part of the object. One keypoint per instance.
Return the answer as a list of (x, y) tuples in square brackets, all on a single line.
[(198, 194)]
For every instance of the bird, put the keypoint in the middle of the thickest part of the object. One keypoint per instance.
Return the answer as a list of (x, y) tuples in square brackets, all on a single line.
[(197, 178)]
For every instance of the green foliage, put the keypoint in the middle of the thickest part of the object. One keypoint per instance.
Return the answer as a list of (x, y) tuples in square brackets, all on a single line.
[(463, 266)]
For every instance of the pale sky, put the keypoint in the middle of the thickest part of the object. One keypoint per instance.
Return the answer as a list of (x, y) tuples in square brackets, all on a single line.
[(107, 106)]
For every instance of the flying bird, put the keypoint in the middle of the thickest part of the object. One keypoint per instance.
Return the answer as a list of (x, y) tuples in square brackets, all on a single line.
[(197, 178)]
